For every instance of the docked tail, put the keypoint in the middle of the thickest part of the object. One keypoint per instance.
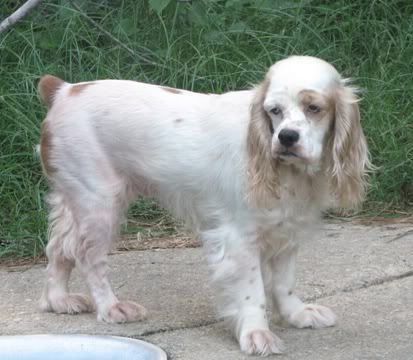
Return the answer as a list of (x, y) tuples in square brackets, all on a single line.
[(47, 87)]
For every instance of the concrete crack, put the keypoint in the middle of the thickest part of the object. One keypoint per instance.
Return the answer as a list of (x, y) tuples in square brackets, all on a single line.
[(374, 282), (168, 329), (399, 236)]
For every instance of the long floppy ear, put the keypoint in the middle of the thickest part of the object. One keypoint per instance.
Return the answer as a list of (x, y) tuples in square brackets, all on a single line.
[(261, 167), (350, 161)]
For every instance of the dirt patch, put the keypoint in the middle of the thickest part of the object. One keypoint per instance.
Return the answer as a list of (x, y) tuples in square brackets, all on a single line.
[(380, 220), (21, 264), (162, 233), (140, 243)]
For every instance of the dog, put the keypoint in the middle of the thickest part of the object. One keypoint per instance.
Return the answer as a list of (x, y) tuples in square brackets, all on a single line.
[(249, 171)]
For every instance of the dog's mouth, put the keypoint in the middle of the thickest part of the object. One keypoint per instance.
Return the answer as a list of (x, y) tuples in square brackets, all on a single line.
[(287, 154)]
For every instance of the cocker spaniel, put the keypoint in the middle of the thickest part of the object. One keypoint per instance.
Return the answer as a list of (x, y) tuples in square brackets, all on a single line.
[(249, 171)]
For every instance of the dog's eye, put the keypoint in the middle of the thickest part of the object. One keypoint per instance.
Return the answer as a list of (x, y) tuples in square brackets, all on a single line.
[(314, 109), (276, 111)]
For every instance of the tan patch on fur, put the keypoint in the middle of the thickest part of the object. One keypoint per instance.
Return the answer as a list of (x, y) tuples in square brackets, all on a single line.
[(262, 167), (171, 90), (311, 97), (47, 87), (45, 148), (78, 88)]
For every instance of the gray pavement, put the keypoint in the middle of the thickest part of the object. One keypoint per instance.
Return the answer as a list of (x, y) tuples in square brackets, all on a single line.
[(364, 273)]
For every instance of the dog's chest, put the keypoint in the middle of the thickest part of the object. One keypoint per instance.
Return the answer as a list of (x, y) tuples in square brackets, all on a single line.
[(301, 195), (294, 213)]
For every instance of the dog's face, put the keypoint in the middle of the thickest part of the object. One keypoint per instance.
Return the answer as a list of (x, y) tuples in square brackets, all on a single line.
[(305, 115), (300, 105)]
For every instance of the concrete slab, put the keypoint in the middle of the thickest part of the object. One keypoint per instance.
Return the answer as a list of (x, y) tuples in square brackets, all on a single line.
[(374, 323), (348, 256), (173, 285)]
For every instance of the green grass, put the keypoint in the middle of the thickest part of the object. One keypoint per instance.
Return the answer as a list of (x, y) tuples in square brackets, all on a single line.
[(211, 46)]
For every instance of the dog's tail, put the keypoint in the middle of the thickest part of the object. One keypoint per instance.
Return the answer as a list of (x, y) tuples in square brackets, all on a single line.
[(47, 88)]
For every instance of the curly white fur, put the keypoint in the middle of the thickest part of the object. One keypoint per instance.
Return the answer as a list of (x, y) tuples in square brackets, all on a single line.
[(218, 162)]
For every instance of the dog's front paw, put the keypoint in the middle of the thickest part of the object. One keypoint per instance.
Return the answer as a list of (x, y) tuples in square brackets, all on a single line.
[(122, 312), (261, 342), (313, 316)]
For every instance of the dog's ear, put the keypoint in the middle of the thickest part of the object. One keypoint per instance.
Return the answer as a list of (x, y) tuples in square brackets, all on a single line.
[(349, 163), (262, 170)]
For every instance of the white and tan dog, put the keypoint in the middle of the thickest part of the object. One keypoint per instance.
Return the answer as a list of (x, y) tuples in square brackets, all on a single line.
[(250, 172)]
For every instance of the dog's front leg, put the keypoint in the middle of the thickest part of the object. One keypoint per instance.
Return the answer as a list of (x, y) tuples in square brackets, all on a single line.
[(236, 273), (289, 306)]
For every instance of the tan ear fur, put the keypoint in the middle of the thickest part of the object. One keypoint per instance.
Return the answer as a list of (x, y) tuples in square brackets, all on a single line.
[(349, 163), (262, 168)]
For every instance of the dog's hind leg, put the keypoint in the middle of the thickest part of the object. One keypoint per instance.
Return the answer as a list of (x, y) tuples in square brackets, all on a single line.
[(63, 231), (100, 211)]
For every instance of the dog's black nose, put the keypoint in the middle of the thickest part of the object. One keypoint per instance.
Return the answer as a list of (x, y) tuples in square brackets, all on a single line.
[(288, 137)]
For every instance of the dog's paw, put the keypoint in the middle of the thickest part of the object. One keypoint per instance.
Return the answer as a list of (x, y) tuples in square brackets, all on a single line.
[(121, 312), (313, 316), (67, 304), (261, 342)]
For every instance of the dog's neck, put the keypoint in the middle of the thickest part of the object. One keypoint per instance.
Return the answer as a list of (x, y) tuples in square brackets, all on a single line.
[(304, 185)]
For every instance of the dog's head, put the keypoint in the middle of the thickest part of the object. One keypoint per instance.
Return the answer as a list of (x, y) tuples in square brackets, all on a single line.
[(304, 115)]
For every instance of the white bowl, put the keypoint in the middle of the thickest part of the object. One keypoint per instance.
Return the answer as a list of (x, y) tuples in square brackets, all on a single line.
[(77, 347)]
